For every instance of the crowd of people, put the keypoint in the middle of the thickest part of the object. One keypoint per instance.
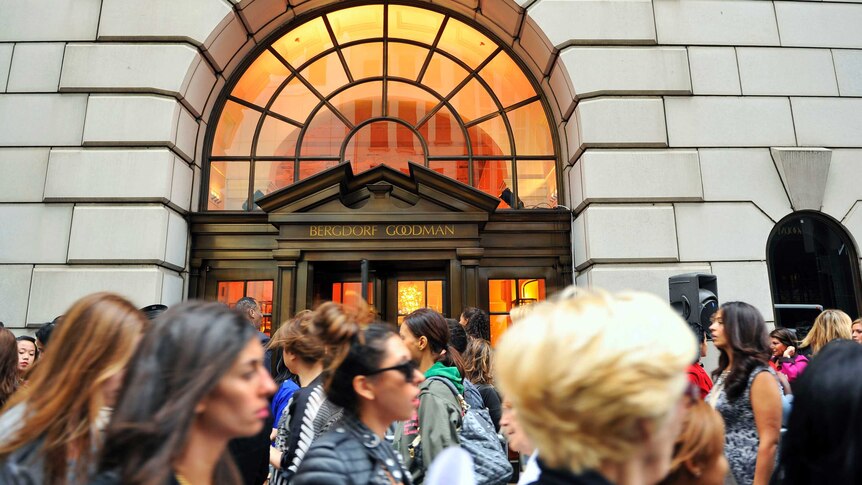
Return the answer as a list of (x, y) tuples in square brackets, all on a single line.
[(588, 387)]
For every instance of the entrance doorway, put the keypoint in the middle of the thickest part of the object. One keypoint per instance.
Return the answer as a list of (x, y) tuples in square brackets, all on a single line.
[(394, 289)]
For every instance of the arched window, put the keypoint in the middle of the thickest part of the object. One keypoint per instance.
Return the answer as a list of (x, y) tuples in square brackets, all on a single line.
[(812, 261), (382, 84)]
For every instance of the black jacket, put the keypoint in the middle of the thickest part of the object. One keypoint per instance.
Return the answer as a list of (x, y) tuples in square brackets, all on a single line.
[(350, 454)]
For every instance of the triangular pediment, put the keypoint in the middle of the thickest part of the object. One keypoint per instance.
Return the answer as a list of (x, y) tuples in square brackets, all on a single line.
[(382, 191)]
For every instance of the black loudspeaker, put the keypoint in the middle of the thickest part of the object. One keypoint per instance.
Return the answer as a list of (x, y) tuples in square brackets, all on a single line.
[(695, 297)]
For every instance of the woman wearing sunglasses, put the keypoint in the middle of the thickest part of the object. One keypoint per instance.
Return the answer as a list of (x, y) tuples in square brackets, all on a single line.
[(373, 377)]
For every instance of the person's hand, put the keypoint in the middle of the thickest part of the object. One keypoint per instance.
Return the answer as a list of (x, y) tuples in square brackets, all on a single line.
[(790, 352), (275, 457)]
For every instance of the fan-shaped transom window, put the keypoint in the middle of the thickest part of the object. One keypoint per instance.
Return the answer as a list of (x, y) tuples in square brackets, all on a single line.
[(383, 84)]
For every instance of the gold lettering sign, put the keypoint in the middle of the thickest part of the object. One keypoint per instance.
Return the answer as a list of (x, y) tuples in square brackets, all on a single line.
[(385, 231)]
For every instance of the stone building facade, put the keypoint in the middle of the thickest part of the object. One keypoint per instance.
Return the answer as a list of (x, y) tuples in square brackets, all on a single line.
[(687, 130)]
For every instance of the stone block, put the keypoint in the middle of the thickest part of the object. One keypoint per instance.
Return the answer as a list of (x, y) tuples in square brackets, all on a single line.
[(610, 231), (828, 122), (649, 278), (803, 172), (599, 22), (35, 67), (42, 119), (702, 121), (56, 288), (715, 22), (842, 184), (191, 20), (804, 24), (49, 21), (23, 172), (573, 138), (123, 234), (34, 233), (222, 46), (781, 71), (159, 68), (638, 176), (540, 51), (739, 174), (105, 175), (199, 87), (181, 185), (5, 64), (621, 122), (177, 240), (561, 88), (259, 13), (848, 65), (188, 130), (138, 121), (714, 70), (721, 232), (746, 281), (15, 288), (597, 71)]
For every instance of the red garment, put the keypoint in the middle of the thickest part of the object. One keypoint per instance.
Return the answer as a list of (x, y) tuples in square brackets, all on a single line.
[(700, 378)]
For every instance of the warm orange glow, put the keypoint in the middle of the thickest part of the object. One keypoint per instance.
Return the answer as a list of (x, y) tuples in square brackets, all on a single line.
[(413, 295), (331, 96), (504, 295), (230, 292)]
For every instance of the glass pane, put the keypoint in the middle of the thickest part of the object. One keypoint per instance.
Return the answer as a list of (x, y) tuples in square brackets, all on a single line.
[(490, 138), (307, 168), (357, 23), (411, 296), (507, 80), (465, 43), (261, 291), (495, 177), (326, 74), (531, 131), (271, 176), (406, 60), (444, 135), (499, 325), (434, 298), (501, 294), (384, 142), (229, 292), (443, 75), (295, 101), (364, 60), (537, 183), (303, 42), (228, 188), (473, 101), (413, 23), (531, 290), (409, 103), (456, 169), (351, 293), (277, 138), (361, 102), (261, 79), (235, 130), (324, 135)]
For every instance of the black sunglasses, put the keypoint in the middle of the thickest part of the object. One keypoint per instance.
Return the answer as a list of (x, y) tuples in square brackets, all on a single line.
[(408, 369)]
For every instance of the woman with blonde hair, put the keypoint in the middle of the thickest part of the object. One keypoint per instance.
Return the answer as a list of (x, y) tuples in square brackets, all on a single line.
[(856, 330), (51, 429), (599, 384), (828, 326), (698, 454), (478, 365)]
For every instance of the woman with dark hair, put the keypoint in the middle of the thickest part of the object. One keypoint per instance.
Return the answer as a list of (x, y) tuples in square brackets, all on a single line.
[(822, 443), (784, 357), (479, 325), (309, 413), (196, 382), (27, 354), (478, 367), (51, 429), (373, 378), (746, 392), (8, 365), (435, 424)]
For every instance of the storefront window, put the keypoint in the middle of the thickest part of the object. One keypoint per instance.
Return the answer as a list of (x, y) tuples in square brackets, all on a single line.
[(413, 295), (812, 263), (383, 84), (349, 293), (230, 292), (504, 295)]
